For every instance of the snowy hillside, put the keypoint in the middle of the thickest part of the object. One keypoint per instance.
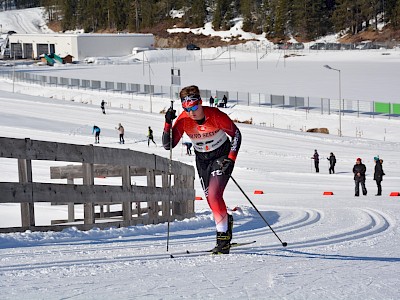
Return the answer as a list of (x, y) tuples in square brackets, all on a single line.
[(30, 20)]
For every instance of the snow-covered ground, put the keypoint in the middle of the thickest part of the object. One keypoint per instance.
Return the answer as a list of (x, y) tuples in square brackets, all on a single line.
[(30, 20), (339, 247)]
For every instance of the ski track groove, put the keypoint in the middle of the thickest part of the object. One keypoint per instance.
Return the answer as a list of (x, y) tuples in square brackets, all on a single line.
[(376, 223)]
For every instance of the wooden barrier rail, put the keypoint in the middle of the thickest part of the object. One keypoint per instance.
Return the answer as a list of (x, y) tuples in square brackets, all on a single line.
[(97, 162)]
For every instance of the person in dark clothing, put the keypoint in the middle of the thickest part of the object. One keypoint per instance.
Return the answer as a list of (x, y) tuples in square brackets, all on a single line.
[(188, 147), (315, 157), (150, 137), (378, 175), (211, 101), (359, 170), (102, 106), (96, 131), (224, 101), (332, 163)]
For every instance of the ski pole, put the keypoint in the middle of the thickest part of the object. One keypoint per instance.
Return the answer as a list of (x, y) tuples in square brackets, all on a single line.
[(169, 177), (284, 244)]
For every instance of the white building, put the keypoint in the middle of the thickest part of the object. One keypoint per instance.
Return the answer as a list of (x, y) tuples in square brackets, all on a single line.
[(79, 46)]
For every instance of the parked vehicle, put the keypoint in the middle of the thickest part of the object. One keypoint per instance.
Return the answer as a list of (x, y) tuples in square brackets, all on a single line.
[(192, 47), (318, 46), (347, 46), (332, 46)]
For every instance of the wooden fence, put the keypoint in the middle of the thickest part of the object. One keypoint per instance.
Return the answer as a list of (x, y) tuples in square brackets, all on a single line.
[(152, 204)]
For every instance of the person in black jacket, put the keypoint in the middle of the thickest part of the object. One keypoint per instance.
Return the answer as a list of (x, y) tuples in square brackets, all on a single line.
[(211, 101), (378, 175), (315, 157), (103, 109), (332, 163), (150, 137), (359, 170)]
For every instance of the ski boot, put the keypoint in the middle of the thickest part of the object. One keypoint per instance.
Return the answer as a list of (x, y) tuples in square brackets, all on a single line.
[(224, 239)]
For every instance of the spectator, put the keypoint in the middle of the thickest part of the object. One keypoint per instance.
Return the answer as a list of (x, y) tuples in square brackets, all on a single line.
[(332, 163), (315, 157), (216, 101), (359, 170), (211, 101), (224, 101), (378, 175)]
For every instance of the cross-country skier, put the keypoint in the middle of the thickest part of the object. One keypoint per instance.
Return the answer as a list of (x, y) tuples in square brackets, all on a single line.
[(103, 109), (96, 131), (188, 147), (150, 137), (208, 128), (121, 131)]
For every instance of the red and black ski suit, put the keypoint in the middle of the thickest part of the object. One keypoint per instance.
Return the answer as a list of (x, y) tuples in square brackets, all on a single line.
[(211, 144)]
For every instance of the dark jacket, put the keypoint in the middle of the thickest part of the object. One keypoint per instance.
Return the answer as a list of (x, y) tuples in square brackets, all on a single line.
[(361, 168), (332, 160), (378, 174), (150, 135), (315, 156)]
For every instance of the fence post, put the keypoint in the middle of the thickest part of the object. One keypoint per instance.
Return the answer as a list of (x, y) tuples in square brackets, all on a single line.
[(71, 206), (329, 106), (88, 179), (322, 106), (373, 109), (165, 206), (179, 206), (25, 176), (152, 205), (126, 184)]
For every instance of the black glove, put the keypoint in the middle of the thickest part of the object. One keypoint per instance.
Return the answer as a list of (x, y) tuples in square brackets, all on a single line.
[(227, 166), (170, 115)]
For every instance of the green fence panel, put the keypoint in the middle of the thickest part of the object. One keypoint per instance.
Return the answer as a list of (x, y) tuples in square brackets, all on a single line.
[(382, 107), (396, 109)]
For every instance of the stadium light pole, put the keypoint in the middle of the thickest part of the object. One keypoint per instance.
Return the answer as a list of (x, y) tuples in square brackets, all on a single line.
[(340, 97)]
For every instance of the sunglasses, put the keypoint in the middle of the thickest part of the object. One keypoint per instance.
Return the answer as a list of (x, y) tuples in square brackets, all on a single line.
[(191, 108)]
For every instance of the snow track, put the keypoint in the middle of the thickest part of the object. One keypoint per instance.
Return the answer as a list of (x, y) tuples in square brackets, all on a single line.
[(369, 224)]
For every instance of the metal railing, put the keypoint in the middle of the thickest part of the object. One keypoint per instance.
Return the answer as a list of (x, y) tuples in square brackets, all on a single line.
[(308, 104)]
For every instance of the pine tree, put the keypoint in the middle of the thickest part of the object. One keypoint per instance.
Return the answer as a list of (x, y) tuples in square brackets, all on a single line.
[(147, 13), (217, 16), (198, 13), (68, 8), (281, 18), (245, 9)]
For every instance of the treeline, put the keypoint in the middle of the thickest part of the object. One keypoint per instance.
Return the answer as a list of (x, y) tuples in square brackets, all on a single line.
[(308, 19), (19, 4)]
